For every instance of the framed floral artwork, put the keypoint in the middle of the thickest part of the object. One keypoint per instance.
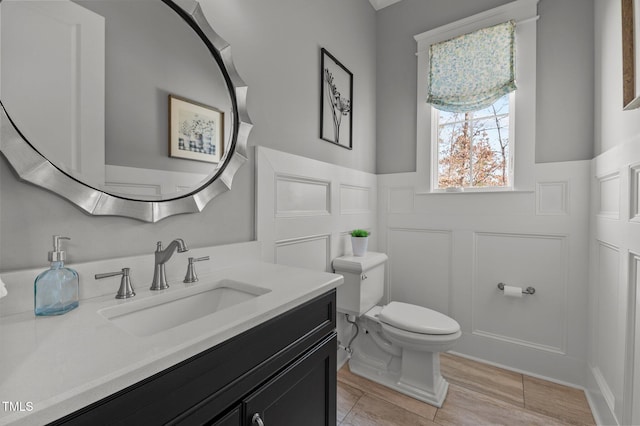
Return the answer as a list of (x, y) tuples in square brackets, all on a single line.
[(196, 131), (336, 101)]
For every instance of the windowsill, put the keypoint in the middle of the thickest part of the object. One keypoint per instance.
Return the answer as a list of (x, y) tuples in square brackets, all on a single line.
[(470, 192)]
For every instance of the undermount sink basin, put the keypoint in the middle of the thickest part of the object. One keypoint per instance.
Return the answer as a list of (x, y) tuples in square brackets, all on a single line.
[(167, 310)]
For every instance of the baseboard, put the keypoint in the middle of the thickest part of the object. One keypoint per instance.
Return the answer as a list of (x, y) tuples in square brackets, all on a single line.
[(519, 371), (600, 409), (557, 368), (598, 405)]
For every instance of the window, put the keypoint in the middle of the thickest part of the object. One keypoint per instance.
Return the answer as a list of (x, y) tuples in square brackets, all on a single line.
[(483, 145), (472, 147)]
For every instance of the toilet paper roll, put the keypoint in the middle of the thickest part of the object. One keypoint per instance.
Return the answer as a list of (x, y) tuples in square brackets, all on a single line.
[(511, 291)]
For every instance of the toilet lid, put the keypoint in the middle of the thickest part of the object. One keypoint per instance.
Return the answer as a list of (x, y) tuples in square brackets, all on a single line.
[(417, 319)]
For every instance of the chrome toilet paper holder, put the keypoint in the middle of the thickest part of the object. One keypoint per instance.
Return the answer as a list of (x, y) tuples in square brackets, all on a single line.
[(528, 290)]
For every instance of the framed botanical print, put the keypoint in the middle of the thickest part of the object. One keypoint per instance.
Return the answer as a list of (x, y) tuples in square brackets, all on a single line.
[(196, 131), (336, 101)]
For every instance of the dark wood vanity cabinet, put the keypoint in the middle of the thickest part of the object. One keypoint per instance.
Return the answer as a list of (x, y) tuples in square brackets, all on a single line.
[(279, 373), (300, 395)]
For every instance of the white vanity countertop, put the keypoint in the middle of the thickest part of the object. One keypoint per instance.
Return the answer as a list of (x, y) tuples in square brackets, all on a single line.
[(63, 363)]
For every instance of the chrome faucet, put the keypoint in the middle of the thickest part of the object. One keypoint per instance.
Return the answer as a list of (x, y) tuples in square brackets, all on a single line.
[(126, 289), (162, 257)]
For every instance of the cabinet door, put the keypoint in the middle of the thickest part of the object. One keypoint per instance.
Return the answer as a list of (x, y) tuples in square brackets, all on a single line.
[(231, 419), (303, 394)]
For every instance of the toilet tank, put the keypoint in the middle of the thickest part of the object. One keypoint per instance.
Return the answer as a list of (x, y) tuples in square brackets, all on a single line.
[(363, 284)]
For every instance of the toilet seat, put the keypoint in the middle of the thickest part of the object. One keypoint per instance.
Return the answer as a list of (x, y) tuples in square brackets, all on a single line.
[(417, 319), (420, 342)]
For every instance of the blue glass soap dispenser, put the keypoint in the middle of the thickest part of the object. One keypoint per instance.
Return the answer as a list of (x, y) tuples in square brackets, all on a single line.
[(56, 289)]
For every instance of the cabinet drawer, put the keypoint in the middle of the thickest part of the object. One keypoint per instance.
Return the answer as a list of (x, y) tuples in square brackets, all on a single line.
[(216, 378)]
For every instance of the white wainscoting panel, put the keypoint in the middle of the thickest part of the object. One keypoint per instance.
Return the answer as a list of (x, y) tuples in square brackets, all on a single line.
[(610, 335), (448, 251), (540, 261), (401, 200), (138, 189), (551, 198), (609, 196), (632, 383), (614, 354), (308, 252), (149, 182), (634, 196), (297, 196), (344, 241), (295, 204), (305, 210), (355, 200), (421, 274)]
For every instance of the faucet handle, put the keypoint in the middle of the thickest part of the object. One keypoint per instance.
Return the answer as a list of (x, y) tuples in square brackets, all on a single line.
[(126, 289), (191, 276)]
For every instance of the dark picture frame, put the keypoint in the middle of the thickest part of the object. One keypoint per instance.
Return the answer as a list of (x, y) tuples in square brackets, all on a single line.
[(630, 54), (196, 131), (336, 101)]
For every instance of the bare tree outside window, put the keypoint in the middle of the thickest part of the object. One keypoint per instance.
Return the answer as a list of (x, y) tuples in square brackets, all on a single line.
[(473, 147)]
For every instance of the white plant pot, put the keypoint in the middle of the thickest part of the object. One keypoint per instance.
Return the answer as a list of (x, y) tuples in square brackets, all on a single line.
[(359, 245)]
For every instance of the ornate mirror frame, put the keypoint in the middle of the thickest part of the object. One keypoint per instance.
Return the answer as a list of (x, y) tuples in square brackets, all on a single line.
[(34, 168)]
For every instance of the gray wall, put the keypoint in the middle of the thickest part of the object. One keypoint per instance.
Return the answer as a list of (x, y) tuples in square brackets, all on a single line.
[(564, 129), (276, 46), (148, 47), (613, 126), (564, 77)]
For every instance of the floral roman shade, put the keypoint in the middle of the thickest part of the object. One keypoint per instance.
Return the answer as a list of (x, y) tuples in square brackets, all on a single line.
[(472, 71)]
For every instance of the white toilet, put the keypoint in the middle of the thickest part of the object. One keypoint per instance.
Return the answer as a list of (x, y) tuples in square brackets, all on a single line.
[(399, 344)]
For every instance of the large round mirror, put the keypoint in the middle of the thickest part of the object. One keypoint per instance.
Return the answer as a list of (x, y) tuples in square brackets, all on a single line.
[(129, 108)]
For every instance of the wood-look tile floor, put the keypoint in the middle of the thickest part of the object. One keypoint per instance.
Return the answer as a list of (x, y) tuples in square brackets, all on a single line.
[(479, 394)]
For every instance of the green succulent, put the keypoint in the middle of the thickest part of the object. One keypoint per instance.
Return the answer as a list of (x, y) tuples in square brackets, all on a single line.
[(360, 233)]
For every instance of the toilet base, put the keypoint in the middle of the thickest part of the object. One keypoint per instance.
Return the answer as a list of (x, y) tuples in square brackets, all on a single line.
[(432, 390)]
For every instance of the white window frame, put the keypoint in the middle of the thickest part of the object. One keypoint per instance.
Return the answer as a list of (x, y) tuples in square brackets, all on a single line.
[(522, 104)]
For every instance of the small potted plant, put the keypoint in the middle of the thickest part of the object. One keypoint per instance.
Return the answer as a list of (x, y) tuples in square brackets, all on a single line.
[(359, 241)]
